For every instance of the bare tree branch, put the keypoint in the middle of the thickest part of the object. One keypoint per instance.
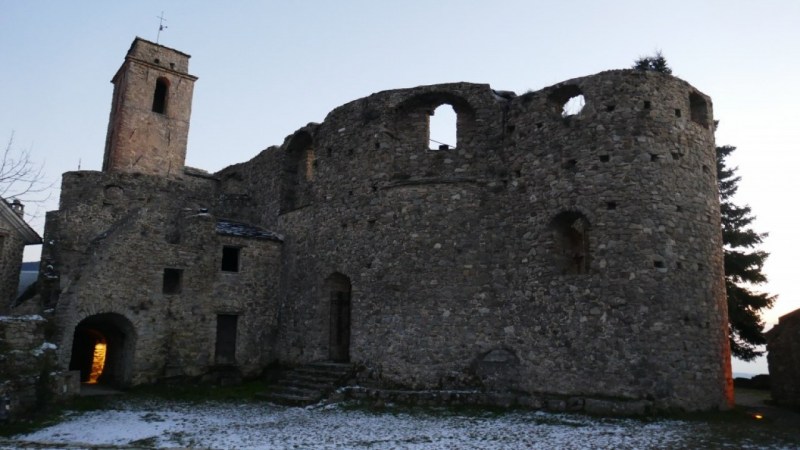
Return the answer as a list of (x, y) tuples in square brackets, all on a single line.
[(21, 177)]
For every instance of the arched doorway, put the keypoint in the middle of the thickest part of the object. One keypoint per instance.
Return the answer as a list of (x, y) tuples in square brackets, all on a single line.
[(102, 349), (338, 288)]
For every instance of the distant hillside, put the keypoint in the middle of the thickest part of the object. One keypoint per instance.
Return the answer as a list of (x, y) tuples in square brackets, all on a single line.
[(30, 266)]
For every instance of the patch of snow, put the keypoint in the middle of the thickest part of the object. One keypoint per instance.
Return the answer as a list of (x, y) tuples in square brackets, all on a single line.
[(267, 426), (30, 317)]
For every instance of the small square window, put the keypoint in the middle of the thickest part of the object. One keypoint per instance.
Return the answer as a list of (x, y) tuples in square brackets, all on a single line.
[(172, 281), (230, 259)]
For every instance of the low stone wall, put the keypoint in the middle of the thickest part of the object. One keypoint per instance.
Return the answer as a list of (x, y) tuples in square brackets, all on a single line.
[(498, 399), (28, 379)]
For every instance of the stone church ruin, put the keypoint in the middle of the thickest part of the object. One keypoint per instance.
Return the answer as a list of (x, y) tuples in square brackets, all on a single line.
[(546, 254)]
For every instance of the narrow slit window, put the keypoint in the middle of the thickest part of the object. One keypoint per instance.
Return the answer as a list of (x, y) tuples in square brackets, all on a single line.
[(230, 259), (160, 96)]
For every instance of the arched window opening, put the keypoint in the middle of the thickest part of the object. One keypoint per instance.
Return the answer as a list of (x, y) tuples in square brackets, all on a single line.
[(160, 96), (698, 108), (299, 165), (338, 288), (573, 106), (442, 128), (571, 243), (568, 100)]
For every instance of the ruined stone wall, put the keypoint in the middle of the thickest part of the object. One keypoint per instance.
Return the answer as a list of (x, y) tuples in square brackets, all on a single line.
[(566, 255), (28, 375), (111, 242)]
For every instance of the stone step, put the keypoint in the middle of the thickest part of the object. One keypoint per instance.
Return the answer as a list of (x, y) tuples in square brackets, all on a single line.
[(308, 383)]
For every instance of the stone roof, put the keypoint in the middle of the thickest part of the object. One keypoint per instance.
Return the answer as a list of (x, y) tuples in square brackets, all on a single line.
[(29, 236), (227, 227)]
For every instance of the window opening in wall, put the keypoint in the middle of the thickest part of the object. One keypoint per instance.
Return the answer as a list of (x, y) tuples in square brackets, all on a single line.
[(225, 351), (571, 242), (310, 163), (172, 281), (299, 166), (604, 158), (573, 106), (160, 96), (647, 104), (230, 259), (568, 100), (2, 241), (698, 108), (442, 128)]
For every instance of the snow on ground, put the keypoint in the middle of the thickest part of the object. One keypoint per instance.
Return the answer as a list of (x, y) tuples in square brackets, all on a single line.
[(265, 426)]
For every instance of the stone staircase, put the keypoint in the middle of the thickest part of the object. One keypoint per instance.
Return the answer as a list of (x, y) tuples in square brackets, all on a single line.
[(309, 383)]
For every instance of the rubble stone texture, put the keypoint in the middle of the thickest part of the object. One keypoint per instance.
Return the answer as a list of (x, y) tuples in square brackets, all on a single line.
[(783, 357), (560, 256)]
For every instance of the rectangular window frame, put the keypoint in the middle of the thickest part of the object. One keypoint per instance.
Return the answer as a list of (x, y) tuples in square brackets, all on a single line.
[(231, 259), (172, 281)]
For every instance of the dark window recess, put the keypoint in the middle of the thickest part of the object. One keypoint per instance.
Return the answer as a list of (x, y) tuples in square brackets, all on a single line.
[(653, 157), (160, 96), (226, 339), (604, 158), (677, 113), (698, 108), (611, 205), (230, 259), (647, 104), (659, 264), (610, 108), (571, 243), (172, 281)]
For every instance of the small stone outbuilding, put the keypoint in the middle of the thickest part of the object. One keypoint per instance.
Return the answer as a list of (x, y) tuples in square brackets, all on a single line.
[(783, 357)]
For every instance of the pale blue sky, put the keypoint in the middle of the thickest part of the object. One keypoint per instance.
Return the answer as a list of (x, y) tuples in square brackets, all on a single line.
[(266, 68)]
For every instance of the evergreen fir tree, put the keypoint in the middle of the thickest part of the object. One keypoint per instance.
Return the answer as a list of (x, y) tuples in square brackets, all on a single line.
[(743, 266), (655, 63)]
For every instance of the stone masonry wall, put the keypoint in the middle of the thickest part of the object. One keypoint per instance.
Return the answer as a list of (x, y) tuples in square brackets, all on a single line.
[(576, 255), (783, 356)]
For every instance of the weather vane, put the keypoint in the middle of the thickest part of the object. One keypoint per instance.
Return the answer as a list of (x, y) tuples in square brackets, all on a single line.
[(161, 25)]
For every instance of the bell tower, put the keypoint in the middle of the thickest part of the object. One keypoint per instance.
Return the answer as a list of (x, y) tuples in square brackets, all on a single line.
[(149, 122)]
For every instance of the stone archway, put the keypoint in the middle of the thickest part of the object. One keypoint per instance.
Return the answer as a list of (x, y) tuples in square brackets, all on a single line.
[(102, 349)]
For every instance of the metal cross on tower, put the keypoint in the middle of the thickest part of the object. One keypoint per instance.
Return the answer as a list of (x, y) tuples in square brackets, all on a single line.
[(161, 25)]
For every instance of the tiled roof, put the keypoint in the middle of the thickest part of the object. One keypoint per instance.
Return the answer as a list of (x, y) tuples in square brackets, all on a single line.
[(232, 228)]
